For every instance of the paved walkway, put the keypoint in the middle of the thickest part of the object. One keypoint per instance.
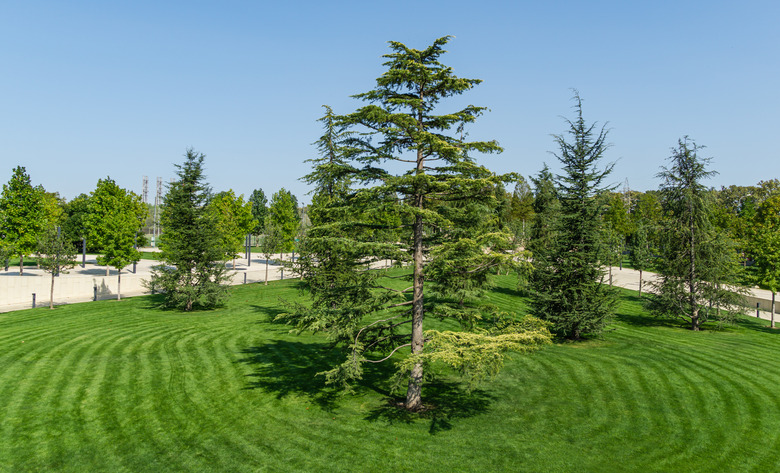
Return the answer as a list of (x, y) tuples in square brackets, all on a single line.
[(90, 282), (629, 279), (93, 281)]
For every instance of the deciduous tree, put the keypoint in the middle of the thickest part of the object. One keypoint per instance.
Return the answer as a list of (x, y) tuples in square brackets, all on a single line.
[(641, 250), (233, 218), (259, 209), (22, 217), (283, 214), (269, 244), (56, 255), (114, 218), (765, 247)]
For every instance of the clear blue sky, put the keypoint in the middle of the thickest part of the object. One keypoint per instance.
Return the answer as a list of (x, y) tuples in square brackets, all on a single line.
[(90, 89)]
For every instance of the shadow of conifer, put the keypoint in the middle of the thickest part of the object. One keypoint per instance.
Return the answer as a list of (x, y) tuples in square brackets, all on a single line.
[(291, 368), (444, 402)]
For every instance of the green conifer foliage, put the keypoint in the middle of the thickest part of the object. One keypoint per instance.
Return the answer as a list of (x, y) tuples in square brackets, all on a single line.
[(698, 266), (416, 198), (567, 283), (192, 274)]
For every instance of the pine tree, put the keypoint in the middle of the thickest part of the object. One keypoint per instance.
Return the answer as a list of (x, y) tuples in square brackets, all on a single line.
[(546, 207), (698, 265), (192, 274), (567, 284), (408, 216)]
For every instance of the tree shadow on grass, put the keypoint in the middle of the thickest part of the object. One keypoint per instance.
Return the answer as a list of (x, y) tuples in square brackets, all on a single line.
[(271, 311), (289, 367), (444, 402), (286, 368), (508, 291), (759, 325), (644, 318)]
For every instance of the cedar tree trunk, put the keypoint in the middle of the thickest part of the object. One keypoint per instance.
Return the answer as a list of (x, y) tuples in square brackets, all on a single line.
[(414, 392)]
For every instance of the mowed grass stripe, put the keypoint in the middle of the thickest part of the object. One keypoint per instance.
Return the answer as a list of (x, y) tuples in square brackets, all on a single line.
[(117, 398), (694, 369), (228, 391)]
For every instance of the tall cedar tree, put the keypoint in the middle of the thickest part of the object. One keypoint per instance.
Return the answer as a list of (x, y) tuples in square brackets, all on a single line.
[(547, 208), (698, 264), (567, 283), (22, 216), (192, 274), (55, 255), (407, 216)]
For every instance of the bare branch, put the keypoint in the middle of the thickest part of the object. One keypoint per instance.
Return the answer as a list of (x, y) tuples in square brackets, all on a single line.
[(391, 353)]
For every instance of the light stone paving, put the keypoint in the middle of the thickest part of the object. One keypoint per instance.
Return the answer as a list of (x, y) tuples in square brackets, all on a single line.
[(83, 284), (629, 279)]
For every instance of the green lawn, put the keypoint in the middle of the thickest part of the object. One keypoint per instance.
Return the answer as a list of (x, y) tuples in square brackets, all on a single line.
[(150, 255), (120, 386)]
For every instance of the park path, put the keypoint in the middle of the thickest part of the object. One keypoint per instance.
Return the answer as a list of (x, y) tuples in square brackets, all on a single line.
[(629, 279), (90, 282)]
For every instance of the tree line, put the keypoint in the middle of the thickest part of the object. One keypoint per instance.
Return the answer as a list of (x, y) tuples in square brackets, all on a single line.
[(398, 180), (109, 221)]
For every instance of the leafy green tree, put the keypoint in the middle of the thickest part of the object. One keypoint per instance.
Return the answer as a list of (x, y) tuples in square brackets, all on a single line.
[(270, 244), (259, 209), (567, 287), (620, 228), (765, 247), (283, 214), (233, 219), (22, 217), (192, 274), (55, 255), (612, 248), (521, 211), (74, 224), (406, 215), (53, 209), (641, 250), (698, 264), (114, 218)]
